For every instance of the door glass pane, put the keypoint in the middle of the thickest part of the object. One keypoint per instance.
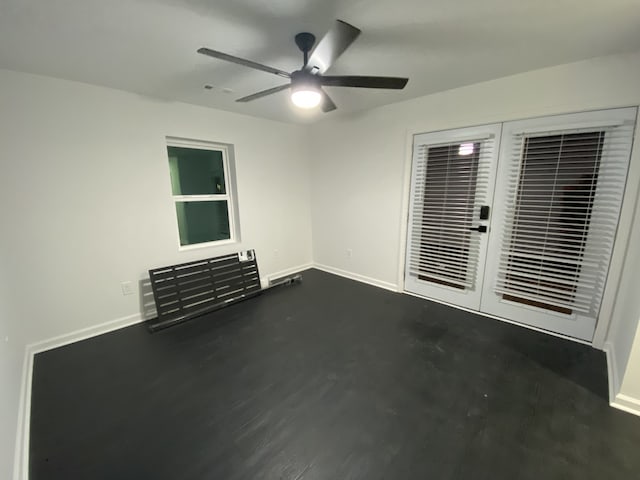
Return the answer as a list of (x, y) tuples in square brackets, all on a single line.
[(195, 171), (200, 222), (554, 201), (447, 213)]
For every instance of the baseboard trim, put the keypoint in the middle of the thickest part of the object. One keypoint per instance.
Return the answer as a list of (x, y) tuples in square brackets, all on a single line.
[(21, 459), (84, 333), (283, 273), (627, 404), (357, 277)]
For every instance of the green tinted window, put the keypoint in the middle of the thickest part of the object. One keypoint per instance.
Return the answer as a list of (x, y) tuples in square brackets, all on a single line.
[(196, 172), (200, 222), (203, 202)]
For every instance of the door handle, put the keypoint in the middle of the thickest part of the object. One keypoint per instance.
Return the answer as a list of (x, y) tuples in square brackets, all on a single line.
[(484, 212), (479, 228)]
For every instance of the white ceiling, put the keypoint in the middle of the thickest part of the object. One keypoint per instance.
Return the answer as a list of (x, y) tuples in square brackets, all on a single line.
[(149, 46)]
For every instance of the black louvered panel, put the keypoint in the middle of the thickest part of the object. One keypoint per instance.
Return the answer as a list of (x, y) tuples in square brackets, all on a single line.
[(191, 289)]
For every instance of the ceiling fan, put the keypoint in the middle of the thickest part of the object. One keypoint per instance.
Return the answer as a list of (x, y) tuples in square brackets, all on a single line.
[(306, 84)]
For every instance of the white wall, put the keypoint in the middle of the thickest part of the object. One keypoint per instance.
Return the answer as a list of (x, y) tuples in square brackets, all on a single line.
[(360, 163), (623, 340), (86, 204), (11, 358), (629, 394)]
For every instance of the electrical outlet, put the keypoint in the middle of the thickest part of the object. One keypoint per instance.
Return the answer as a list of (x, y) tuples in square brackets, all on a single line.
[(276, 253), (127, 288), (349, 253)]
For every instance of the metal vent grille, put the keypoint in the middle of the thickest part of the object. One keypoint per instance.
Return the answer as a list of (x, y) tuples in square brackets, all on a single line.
[(188, 290)]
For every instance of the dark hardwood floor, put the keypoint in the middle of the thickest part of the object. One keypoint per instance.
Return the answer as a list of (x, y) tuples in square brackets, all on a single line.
[(330, 379)]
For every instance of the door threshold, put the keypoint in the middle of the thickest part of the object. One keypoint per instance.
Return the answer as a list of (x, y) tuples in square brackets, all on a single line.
[(502, 319)]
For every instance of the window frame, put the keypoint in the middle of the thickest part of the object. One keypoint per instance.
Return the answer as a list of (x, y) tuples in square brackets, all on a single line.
[(230, 196)]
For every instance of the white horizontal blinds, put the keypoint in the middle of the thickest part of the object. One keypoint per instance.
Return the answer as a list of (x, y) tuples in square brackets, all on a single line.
[(564, 195), (449, 186)]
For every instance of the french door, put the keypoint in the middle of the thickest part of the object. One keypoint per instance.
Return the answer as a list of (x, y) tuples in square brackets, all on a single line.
[(527, 233), (453, 176)]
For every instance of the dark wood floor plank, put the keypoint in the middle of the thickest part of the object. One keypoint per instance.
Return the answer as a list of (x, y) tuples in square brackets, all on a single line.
[(329, 379)]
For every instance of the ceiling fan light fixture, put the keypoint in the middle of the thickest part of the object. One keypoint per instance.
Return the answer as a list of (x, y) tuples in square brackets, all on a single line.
[(306, 97), (305, 90)]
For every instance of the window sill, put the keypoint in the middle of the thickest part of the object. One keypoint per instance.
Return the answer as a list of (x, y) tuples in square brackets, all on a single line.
[(196, 246)]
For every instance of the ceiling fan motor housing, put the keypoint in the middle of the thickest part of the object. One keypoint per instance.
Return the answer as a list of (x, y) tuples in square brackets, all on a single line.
[(301, 80)]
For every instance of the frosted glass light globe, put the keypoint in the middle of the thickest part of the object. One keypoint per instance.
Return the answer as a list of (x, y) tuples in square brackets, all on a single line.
[(305, 98)]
